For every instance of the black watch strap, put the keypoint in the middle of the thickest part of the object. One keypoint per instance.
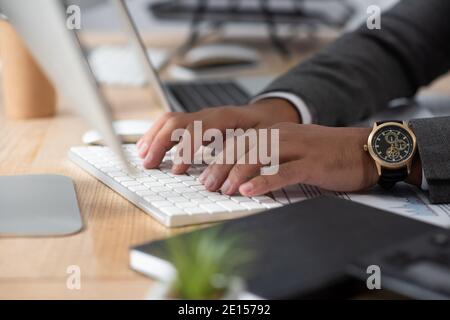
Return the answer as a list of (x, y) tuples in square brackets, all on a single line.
[(389, 178)]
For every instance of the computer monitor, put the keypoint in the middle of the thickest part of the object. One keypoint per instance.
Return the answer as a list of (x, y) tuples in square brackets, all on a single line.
[(42, 25)]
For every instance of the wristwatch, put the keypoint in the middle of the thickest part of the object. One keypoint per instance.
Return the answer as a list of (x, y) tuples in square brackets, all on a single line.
[(392, 146)]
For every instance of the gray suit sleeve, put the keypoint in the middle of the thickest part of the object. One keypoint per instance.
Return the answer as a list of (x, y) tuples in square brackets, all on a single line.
[(432, 140), (364, 70)]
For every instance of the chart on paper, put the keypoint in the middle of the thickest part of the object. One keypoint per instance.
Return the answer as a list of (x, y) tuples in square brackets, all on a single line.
[(405, 200)]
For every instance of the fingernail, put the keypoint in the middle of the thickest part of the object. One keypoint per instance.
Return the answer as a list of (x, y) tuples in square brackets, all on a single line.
[(226, 187), (142, 149), (246, 188), (210, 181), (177, 169), (149, 157), (138, 144)]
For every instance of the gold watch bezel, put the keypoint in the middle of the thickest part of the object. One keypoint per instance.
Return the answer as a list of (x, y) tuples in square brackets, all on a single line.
[(383, 164)]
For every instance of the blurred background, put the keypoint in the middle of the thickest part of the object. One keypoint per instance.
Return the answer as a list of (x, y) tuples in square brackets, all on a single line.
[(242, 32), (99, 14)]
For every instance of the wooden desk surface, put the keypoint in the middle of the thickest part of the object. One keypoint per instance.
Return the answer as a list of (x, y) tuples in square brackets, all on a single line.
[(35, 268)]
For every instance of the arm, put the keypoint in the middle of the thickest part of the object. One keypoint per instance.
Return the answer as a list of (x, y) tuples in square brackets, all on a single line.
[(353, 78), (364, 70)]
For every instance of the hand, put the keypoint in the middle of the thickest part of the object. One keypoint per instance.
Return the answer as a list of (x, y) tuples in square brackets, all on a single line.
[(330, 158), (157, 141)]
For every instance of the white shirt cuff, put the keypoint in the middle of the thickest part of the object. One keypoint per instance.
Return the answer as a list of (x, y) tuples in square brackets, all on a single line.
[(424, 186), (302, 109)]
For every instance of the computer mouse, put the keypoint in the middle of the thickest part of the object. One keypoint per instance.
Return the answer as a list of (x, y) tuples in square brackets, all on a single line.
[(217, 55), (129, 131)]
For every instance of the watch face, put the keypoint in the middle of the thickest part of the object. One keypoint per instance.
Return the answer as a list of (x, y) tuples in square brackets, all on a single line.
[(393, 144)]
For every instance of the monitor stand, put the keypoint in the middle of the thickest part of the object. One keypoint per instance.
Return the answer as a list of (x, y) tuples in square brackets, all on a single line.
[(38, 205)]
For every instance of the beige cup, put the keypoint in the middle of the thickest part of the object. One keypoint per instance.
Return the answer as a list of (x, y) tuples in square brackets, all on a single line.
[(27, 91)]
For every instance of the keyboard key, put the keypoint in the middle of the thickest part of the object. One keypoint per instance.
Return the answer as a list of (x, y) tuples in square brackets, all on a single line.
[(208, 193), (114, 174), (159, 176), (172, 175), (240, 199), (183, 189), (295, 198), (262, 198), (120, 179), (137, 175), (267, 201), (160, 204), (192, 183), (145, 193), (146, 179), (160, 189), (154, 198), (201, 200), (213, 208), (167, 194), (194, 210), (176, 199), (192, 195), (186, 204), (272, 205), (172, 211), (152, 171), (137, 188), (184, 178), (252, 205), (174, 185), (165, 170), (130, 183), (166, 181), (218, 197), (231, 205), (152, 184)]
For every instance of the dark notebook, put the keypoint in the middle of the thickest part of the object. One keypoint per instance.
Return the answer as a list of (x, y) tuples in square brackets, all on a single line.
[(303, 249)]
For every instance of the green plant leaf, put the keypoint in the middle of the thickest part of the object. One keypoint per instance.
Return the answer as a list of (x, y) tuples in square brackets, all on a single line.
[(200, 257)]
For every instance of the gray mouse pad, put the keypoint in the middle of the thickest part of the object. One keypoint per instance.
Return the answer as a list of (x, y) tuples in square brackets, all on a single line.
[(38, 205)]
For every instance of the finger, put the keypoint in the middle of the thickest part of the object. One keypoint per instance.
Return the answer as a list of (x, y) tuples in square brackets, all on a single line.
[(139, 142), (288, 173), (162, 141), (192, 140), (239, 174), (144, 142), (246, 167), (220, 120), (216, 174)]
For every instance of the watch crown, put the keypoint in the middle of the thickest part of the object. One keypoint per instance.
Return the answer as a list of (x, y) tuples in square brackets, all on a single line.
[(366, 148)]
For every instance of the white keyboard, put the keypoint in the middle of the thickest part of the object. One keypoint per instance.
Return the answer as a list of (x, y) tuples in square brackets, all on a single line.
[(173, 200)]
